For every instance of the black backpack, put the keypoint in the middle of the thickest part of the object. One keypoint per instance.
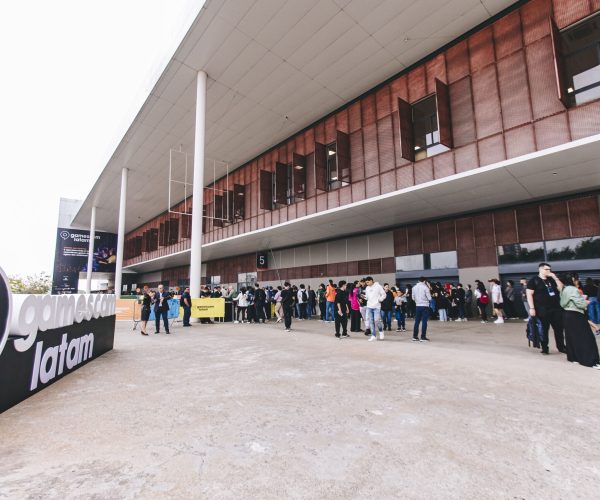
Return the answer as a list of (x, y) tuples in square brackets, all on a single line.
[(304, 296)]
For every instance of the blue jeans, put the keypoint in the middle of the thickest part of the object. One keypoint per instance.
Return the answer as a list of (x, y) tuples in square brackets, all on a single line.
[(400, 318), (374, 315), (187, 312), (594, 310), (309, 310), (330, 311), (421, 315), (386, 317)]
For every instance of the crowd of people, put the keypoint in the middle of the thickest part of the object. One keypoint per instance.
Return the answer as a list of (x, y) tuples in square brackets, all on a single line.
[(366, 306)]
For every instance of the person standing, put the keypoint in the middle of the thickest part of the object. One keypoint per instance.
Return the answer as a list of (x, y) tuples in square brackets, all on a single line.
[(341, 311), (161, 308), (421, 295), (543, 300), (581, 343), (483, 299), (387, 307), (322, 301), (459, 297), (523, 283), (145, 314), (330, 299), (497, 300), (509, 303), (302, 301), (375, 295), (354, 308), (185, 302), (399, 300), (260, 299), (590, 289), (287, 302), (469, 301), (278, 306)]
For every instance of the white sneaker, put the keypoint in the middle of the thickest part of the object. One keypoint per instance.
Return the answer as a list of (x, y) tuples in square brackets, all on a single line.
[(499, 320), (483, 322), (372, 338), (381, 335), (236, 322)]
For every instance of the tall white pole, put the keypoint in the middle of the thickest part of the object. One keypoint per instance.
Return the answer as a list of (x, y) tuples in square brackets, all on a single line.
[(121, 233), (198, 187), (90, 263)]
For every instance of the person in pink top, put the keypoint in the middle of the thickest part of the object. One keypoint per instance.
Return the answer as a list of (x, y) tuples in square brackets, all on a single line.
[(353, 292)]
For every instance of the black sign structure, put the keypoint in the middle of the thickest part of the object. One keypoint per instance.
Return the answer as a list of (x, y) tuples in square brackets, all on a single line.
[(55, 354), (71, 257), (261, 260)]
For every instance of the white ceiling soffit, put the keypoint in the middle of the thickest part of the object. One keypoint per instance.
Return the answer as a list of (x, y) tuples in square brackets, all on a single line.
[(564, 169), (274, 67)]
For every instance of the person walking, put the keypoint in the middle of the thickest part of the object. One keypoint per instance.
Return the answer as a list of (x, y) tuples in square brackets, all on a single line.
[(387, 307), (421, 296), (287, 302), (161, 308), (581, 343), (375, 295), (185, 301), (544, 302), (341, 311)]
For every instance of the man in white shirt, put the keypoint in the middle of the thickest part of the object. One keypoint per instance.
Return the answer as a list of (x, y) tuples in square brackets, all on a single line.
[(421, 295), (375, 294)]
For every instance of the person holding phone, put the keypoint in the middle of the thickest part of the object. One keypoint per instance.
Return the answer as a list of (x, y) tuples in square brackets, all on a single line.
[(543, 299)]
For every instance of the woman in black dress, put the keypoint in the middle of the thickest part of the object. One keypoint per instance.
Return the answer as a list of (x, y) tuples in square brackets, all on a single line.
[(146, 302), (581, 342)]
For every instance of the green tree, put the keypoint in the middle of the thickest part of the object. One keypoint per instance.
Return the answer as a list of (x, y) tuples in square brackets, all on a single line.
[(38, 283)]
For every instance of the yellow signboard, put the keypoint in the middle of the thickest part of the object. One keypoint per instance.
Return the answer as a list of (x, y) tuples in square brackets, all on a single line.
[(206, 308)]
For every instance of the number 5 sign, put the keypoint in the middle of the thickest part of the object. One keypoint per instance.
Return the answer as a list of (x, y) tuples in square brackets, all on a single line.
[(261, 260)]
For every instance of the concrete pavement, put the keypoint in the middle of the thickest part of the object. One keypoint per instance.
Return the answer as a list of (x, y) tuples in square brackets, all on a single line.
[(248, 411)]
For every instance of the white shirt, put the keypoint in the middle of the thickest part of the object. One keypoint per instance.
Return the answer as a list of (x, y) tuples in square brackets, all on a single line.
[(375, 294), (496, 294), (421, 294), (300, 301)]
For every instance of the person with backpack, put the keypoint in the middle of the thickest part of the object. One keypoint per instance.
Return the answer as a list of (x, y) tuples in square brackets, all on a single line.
[(483, 299), (302, 300), (311, 305), (185, 302)]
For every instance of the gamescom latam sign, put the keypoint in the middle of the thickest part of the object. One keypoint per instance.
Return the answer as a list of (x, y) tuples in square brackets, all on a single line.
[(44, 337)]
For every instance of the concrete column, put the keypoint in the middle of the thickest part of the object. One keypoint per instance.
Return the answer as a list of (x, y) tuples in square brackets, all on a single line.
[(90, 262), (121, 233), (198, 187)]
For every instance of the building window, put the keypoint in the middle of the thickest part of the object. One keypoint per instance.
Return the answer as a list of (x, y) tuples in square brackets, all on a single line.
[(580, 49), (427, 261), (521, 253), (425, 125), (425, 128), (573, 249), (332, 163)]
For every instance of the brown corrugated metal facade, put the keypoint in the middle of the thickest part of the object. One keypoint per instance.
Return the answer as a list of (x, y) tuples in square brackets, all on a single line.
[(503, 101)]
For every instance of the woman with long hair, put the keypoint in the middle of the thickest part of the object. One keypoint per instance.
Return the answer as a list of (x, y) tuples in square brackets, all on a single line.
[(353, 291), (581, 343), (483, 299)]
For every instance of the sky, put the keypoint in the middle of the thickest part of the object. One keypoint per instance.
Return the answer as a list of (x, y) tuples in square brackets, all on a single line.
[(74, 75)]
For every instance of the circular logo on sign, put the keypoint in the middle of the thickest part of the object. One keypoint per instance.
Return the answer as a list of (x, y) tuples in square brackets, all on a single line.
[(64, 234), (5, 309)]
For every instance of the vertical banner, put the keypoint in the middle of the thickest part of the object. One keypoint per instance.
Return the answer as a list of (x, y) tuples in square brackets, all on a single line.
[(71, 255)]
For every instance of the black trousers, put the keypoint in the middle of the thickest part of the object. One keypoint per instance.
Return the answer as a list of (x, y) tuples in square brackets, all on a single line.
[(355, 320), (165, 317), (302, 310), (260, 310), (341, 320), (322, 310), (287, 316), (553, 319)]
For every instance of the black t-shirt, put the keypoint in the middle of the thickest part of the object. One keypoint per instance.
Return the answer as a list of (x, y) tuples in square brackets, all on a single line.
[(287, 297), (342, 299), (185, 295), (545, 294)]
